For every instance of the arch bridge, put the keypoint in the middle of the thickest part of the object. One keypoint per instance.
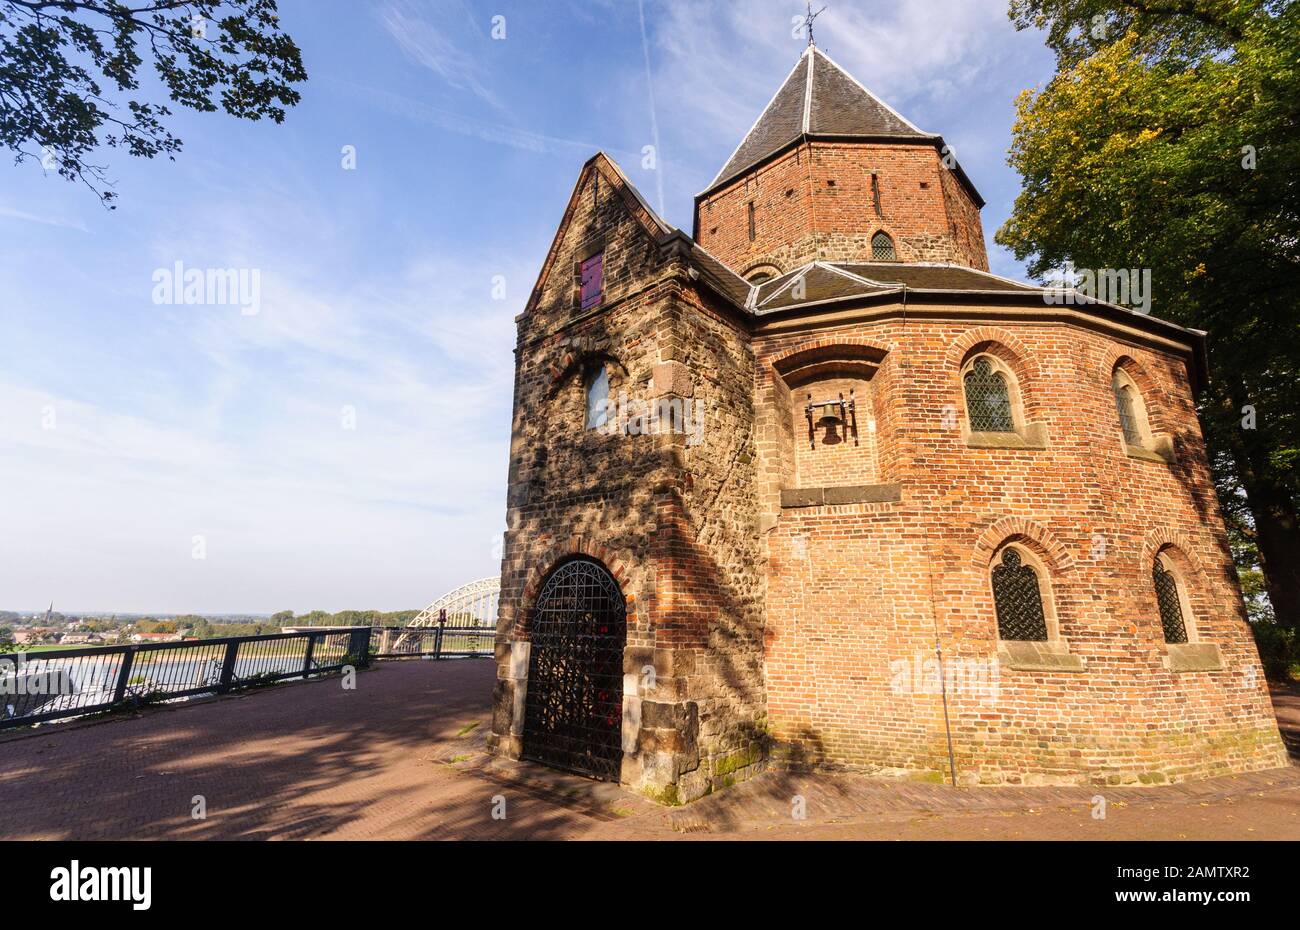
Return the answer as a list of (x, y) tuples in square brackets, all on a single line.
[(473, 604), (471, 607)]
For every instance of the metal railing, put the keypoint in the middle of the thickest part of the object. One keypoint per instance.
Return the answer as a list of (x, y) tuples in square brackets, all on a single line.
[(432, 642), (48, 685)]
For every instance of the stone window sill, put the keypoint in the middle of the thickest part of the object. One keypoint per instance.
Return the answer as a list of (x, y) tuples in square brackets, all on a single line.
[(1193, 657), (1030, 436), (1160, 451), (824, 497), (1027, 656)]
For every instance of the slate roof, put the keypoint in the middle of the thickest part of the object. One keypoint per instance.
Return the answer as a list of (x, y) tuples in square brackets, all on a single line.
[(819, 98), (819, 282), (736, 288)]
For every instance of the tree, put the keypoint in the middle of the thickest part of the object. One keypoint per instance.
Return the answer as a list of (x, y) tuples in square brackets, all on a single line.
[(1169, 139), (70, 82)]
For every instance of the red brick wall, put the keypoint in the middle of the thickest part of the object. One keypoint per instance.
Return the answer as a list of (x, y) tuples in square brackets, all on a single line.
[(850, 461), (857, 593), (817, 203)]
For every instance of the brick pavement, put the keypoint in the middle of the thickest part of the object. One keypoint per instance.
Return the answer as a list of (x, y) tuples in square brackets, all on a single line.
[(401, 758)]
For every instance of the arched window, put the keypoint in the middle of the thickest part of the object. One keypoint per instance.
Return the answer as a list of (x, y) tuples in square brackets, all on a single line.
[(760, 273), (1127, 413), (882, 248), (1131, 409), (597, 398), (988, 397), (1018, 599), (1170, 597)]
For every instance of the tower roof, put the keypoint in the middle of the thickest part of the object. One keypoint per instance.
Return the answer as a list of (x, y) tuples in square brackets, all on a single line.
[(819, 98)]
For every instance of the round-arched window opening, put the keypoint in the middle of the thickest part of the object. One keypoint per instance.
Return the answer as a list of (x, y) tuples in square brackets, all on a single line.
[(1172, 599), (1131, 409), (1018, 599), (882, 248), (761, 273), (597, 398), (988, 397)]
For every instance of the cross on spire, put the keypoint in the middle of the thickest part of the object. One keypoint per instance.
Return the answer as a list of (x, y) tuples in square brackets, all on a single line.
[(808, 21)]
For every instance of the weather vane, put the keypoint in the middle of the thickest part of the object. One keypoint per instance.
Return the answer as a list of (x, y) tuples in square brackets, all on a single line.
[(808, 21)]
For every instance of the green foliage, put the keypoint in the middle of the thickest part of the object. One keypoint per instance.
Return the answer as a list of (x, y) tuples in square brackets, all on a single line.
[(70, 82), (346, 618), (1279, 650), (1173, 28), (1168, 140)]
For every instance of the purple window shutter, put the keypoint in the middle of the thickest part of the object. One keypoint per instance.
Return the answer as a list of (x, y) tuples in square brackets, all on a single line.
[(593, 277)]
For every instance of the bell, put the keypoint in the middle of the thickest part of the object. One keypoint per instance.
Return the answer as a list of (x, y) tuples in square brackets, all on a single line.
[(830, 416)]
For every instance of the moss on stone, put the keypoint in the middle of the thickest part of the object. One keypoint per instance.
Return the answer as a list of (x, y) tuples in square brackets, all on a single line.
[(931, 777), (667, 795), (735, 761)]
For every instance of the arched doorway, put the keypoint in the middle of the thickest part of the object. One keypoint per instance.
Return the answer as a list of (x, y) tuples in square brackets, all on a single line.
[(573, 710)]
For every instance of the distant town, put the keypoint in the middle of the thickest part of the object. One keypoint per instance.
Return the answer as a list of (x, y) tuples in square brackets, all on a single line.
[(49, 627)]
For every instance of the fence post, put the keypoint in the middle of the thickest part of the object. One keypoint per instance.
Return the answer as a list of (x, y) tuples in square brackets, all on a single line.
[(228, 667), (306, 659), (385, 640), (124, 675), (359, 645), (437, 639)]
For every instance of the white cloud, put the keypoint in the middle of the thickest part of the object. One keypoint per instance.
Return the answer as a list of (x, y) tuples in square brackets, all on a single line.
[(493, 131), (426, 35), (244, 439), (924, 59), (43, 220)]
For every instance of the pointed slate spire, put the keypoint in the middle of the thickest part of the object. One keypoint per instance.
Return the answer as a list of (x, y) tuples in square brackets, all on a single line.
[(819, 98)]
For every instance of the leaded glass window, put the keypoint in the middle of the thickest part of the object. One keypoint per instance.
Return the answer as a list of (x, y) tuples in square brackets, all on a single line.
[(988, 402), (1171, 607), (1017, 599), (1127, 412), (882, 248)]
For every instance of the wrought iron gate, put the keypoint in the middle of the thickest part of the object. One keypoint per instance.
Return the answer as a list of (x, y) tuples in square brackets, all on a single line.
[(573, 715)]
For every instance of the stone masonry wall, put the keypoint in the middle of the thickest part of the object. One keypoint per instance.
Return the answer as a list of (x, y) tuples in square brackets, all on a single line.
[(708, 600), (657, 508)]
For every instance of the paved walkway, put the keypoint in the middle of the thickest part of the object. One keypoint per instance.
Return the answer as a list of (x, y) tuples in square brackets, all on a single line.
[(401, 757)]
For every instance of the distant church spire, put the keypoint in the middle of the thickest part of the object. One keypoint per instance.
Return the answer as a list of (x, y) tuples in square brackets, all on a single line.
[(808, 21)]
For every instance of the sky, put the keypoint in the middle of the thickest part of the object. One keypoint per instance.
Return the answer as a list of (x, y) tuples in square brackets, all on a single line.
[(346, 444)]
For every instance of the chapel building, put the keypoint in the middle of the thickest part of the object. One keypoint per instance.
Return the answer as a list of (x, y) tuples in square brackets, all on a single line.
[(811, 486)]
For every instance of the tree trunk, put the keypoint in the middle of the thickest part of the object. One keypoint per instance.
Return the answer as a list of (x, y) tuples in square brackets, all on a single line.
[(1271, 501), (1277, 536)]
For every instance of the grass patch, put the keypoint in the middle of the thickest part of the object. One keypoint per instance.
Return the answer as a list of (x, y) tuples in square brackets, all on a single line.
[(468, 728)]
